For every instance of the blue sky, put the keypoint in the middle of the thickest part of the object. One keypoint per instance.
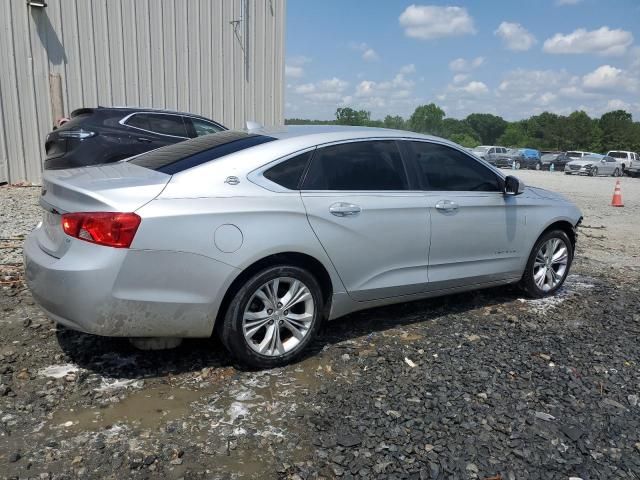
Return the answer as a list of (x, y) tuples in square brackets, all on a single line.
[(514, 58)]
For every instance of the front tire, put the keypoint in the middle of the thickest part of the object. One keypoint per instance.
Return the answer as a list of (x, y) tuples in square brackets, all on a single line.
[(538, 166), (594, 172), (548, 264), (273, 317)]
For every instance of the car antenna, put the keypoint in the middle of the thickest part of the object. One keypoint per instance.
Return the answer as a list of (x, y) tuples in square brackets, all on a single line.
[(252, 125)]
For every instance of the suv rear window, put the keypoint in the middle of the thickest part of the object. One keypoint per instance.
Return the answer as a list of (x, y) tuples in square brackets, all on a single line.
[(184, 155), (618, 154)]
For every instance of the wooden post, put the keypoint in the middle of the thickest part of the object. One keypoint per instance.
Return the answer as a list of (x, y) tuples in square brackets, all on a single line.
[(55, 94)]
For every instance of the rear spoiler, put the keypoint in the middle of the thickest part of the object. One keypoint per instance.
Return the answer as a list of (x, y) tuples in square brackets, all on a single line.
[(81, 111)]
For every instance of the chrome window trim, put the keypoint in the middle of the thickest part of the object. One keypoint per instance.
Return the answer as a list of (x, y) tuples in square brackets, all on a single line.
[(364, 192), (123, 122), (256, 176)]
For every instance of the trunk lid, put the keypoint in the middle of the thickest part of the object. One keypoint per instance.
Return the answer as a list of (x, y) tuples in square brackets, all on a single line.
[(114, 187)]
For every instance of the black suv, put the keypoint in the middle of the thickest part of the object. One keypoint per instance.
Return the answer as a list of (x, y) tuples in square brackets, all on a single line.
[(103, 135)]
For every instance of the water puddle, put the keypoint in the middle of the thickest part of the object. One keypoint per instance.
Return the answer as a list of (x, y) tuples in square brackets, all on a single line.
[(231, 402), (149, 409)]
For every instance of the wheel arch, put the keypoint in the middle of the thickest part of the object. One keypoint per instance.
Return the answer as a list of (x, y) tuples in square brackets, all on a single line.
[(564, 225), (297, 259)]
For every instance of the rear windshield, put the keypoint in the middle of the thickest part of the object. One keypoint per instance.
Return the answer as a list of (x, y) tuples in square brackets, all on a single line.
[(191, 153)]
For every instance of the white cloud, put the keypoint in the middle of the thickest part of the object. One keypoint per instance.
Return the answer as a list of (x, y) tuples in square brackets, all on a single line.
[(408, 69), (294, 66), (567, 2), (333, 85), (460, 78), (463, 65), (298, 60), (475, 88), (607, 77), (305, 88), (370, 55), (397, 87), (602, 41), (293, 71), (617, 104), (427, 22), (515, 37), (322, 92)]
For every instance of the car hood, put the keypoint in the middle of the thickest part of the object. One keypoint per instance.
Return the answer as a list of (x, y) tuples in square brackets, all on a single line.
[(582, 162), (546, 194)]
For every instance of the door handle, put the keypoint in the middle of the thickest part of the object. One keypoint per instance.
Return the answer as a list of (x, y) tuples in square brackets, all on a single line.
[(342, 209), (446, 206), (144, 140)]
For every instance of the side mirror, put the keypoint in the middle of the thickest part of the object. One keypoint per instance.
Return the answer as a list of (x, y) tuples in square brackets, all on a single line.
[(513, 185), (604, 160)]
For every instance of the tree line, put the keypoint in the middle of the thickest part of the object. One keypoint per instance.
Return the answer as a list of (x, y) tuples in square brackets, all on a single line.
[(614, 130)]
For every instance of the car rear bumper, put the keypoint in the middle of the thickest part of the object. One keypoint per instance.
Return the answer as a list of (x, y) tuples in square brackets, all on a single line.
[(127, 293)]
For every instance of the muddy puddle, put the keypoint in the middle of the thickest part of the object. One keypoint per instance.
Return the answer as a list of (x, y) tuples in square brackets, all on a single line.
[(148, 409), (224, 402)]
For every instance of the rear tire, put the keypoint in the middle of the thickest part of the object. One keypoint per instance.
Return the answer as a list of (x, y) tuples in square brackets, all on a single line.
[(548, 265), (616, 172), (258, 327)]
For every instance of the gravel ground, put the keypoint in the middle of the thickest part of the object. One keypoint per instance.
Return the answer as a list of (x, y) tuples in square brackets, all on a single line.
[(481, 385)]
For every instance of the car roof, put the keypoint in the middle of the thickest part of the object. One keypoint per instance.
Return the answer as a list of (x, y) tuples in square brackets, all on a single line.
[(319, 134), (124, 109)]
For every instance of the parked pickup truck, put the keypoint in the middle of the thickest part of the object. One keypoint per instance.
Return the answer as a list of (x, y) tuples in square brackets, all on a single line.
[(628, 160)]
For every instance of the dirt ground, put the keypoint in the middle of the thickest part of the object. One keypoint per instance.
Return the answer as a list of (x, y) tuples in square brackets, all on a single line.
[(481, 385)]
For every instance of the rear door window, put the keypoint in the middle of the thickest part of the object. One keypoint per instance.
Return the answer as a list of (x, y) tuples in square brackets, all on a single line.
[(288, 174), (357, 166), (442, 168), (164, 124), (198, 127), (168, 125)]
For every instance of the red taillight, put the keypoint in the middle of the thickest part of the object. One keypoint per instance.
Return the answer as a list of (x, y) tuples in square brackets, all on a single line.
[(104, 228)]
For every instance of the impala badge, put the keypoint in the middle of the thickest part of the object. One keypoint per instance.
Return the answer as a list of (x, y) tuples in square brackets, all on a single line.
[(232, 180)]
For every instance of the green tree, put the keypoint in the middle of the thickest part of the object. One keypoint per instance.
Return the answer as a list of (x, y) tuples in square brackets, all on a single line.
[(396, 122), (617, 130), (349, 116), (515, 135), (464, 139), (487, 127), (427, 119), (579, 130)]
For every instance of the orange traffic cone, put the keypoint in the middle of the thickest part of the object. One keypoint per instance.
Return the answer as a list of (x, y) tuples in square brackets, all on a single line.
[(616, 201)]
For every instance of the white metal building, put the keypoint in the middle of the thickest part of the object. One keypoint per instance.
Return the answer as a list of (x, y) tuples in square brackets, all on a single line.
[(223, 59)]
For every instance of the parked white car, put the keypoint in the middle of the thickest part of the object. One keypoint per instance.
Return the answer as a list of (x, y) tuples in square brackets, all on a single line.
[(578, 154), (625, 158)]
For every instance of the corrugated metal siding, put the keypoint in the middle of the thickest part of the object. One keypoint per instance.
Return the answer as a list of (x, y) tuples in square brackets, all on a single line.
[(175, 54)]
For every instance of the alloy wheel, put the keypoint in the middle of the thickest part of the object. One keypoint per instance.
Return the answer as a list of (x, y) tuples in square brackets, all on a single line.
[(278, 316), (550, 264)]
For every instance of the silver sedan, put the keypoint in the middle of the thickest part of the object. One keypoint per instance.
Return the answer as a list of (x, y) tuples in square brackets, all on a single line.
[(594, 165), (261, 236)]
